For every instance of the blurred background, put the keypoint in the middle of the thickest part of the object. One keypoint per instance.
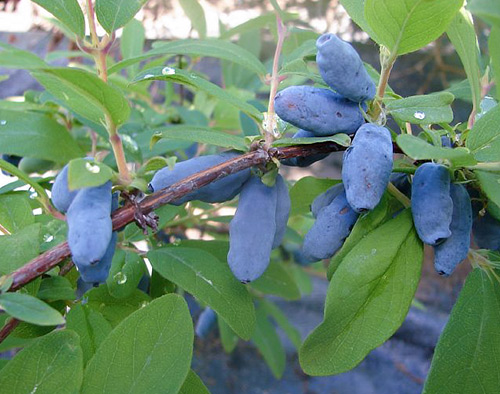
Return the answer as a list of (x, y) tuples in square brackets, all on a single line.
[(400, 365)]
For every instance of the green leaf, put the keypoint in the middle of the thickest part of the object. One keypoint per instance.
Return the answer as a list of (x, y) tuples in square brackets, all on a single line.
[(462, 34), (19, 59), (48, 140), (51, 364), (404, 26), (193, 80), (465, 359), (203, 135), (305, 190), (364, 226), (30, 309), (484, 138), (428, 109), (490, 183), (356, 10), (193, 385), (196, 15), (125, 274), (228, 337), (268, 342), (19, 248), (15, 212), (115, 310), (85, 94), (85, 173), (149, 352), (211, 281), (68, 12), (260, 22), (277, 281), (485, 9), (341, 139), (368, 297), (56, 288), (299, 68), (210, 47), (91, 326), (291, 332), (132, 43), (113, 14), (418, 149)]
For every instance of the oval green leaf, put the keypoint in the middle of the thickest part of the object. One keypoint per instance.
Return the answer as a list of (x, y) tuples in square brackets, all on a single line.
[(30, 309)]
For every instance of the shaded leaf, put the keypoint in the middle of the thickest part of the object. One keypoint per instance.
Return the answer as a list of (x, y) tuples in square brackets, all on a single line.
[(113, 14), (30, 309), (68, 12), (426, 109)]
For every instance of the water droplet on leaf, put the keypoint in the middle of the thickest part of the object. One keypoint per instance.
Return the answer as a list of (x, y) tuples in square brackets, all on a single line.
[(93, 168), (168, 71), (120, 278), (419, 115)]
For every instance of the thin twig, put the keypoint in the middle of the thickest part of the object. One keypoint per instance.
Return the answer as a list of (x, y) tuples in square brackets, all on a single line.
[(8, 328)]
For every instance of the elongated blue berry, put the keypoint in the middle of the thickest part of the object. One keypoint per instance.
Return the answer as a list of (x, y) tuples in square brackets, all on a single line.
[(367, 166), (99, 271), (206, 323), (332, 226), (62, 197), (325, 198), (402, 183), (431, 204), (318, 110), (307, 160), (454, 249), (219, 191), (342, 69), (283, 205), (89, 224), (252, 231)]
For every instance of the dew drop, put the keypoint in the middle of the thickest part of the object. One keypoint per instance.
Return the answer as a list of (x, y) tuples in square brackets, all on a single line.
[(148, 76), (419, 115), (144, 303), (3, 122), (48, 238), (168, 71), (93, 168), (120, 278), (176, 241)]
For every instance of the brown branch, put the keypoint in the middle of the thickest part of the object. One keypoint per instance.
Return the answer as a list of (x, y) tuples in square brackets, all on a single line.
[(8, 328), (125, 215)]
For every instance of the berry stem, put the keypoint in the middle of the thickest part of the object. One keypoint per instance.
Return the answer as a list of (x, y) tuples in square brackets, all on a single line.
[(387, 61), (393, 190)]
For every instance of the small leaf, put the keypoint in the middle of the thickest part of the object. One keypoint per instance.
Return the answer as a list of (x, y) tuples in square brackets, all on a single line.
[(418, 149), (490, 183), (276, 281), (85, 173), (91, 326), (494, 49), (113, 14), (85, 94), (465, 357), (196, 15), (305, 190), (269, 344), (368, 297), (68, 12), (19, 248), (125, 274), (193, 80), (132, 43), (48, 140), (341, 139), (356, 10), (404, 26), (115, 310), (484, 138), (51, 364), (228, 337), (56, 288), (291, 332), (15, 212), (485, 9), (193, 385), (463, 37), (19, 59), (149, 352), (211, 48), (428, 109), (30, 309), (203, 135), (211, 281)]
